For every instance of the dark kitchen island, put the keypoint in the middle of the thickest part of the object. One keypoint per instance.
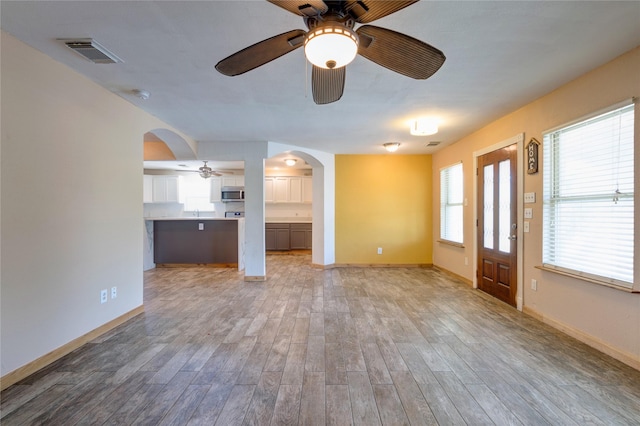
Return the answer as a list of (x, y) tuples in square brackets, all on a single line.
[(216, 242)]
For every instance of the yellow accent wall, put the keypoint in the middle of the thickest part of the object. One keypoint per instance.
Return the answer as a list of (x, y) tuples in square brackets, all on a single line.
[(383, 201)]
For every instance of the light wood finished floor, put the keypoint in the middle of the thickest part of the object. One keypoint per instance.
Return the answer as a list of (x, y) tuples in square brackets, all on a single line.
[(363, 346)]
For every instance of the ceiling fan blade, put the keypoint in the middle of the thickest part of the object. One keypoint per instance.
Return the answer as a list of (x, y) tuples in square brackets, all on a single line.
[(399, 52), (365, 11), (261, 53), (327, 85), (302, 8)]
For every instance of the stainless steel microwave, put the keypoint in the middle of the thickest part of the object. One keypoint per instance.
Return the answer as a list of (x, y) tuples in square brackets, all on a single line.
[(232, 193)]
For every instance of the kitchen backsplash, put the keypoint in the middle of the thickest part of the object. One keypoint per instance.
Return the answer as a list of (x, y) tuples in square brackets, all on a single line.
[(285, 210), (271, 210)]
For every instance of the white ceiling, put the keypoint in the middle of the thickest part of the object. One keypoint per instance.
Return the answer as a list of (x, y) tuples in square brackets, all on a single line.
[(500, 56)]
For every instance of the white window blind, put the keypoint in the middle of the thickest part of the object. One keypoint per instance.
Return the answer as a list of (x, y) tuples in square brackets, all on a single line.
[(588, 225), (451, 203)]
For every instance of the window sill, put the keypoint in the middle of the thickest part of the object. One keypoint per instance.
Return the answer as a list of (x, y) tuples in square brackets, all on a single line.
[(451, 243), (588, 279)]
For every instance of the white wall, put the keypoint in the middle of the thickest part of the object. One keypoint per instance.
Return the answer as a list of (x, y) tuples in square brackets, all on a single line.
[(71, 204)]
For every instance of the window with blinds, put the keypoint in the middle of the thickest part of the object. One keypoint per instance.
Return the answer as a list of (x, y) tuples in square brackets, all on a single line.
[(588, 227), (451, 203)]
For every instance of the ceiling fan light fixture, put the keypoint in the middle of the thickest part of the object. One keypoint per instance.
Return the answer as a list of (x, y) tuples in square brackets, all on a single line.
[(424, 127), (205, 171), (391, 146), (290, 162), (331, 46)]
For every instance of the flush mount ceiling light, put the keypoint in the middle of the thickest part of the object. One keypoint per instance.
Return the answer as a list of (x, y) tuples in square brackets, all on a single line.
[(391, 146), (290, 162), (424, 127), (331, 45), (205, 171)]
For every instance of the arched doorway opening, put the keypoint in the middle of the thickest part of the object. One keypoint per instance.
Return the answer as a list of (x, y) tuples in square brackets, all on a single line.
[(322, 199), (288, 200)]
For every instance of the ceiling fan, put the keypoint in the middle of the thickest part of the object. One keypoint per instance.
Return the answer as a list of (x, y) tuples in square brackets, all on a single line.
[(205, 171), (331, 43)]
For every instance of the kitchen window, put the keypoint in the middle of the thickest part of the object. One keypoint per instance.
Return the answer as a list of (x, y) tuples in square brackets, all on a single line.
[(451, 204), (588, 198), (196, 192)]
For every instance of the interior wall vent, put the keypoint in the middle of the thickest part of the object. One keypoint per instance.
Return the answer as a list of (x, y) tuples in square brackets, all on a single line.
[(92, 50), (433, 143)]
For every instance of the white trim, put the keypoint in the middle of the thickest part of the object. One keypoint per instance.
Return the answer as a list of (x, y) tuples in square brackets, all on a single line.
[(518, 140), (451, 165)]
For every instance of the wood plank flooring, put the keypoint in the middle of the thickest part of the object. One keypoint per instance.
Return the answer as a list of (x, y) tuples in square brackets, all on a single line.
[(349, 346)]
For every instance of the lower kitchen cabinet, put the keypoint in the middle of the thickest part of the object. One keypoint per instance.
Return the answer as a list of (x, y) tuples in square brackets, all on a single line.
[(205, 242), (300, 236), (277, 236), (288, 236)]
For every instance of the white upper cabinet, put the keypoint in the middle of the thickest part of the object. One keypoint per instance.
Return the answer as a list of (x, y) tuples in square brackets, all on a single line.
[(281, 190), (288, 189), (147, 189), (216, 190), (269, 188), (161, 189), (232, 180), (295, 189)]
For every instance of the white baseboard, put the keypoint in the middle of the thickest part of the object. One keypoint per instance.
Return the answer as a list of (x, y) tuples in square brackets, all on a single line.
[(594, 342), (28, 369)]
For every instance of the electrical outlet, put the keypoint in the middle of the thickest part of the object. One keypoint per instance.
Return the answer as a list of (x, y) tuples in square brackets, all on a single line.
[(114, 292), (379, 250), (466, 261), (103, 296), (534, 285)]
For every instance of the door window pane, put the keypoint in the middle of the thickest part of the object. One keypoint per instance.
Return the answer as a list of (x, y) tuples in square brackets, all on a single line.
[(504, 215), (488, 206)]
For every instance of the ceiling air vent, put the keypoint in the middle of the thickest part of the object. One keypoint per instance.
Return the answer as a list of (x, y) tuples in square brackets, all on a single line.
[(92, 50), (433, 143)]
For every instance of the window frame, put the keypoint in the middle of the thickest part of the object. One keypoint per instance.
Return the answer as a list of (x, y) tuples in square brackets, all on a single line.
[(608, 281), (446, 206)]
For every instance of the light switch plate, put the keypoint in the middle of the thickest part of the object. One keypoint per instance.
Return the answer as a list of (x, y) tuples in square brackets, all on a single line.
[(529, 197), (528, 213), (526, 226), (201, 227)]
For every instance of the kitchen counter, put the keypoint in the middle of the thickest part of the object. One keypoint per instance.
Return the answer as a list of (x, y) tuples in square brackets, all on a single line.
[(197, 241), (192, 218)]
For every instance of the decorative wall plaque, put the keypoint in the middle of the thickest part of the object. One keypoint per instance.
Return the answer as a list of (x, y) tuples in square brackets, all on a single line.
[(532, 156)]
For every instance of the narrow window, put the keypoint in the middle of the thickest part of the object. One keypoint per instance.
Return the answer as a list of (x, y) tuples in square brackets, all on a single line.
[(451, 203)]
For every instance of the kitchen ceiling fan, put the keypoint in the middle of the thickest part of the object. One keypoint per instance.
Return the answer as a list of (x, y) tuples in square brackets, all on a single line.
[(331, 43), (205, 171)]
